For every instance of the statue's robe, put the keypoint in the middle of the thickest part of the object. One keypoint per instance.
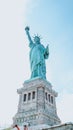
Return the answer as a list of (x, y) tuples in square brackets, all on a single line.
[(38, 54)]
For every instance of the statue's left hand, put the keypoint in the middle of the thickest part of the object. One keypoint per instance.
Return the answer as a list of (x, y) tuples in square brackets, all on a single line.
[(47, 48)]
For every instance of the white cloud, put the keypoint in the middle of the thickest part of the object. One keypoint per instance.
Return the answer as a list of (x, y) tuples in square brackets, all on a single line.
[(13, 45)]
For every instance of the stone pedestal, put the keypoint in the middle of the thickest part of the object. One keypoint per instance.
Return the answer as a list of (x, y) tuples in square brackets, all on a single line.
[(37, 104)]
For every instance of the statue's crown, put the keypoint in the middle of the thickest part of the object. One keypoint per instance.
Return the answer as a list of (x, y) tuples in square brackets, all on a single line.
[(37, 36)]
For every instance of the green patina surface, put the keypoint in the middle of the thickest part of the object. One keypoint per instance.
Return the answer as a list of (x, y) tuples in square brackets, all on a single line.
[(38, 55)]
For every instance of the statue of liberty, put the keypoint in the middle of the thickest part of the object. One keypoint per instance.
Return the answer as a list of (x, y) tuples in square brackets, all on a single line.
[(38, 55)]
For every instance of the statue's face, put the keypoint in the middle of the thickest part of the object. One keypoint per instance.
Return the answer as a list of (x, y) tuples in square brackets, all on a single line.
[(36, 39)]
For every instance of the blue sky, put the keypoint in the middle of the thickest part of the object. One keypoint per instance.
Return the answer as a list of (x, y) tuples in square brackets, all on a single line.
[(53, 20)]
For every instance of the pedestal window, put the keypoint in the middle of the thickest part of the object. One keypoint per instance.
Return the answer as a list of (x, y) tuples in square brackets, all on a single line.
[(33, 95), (24, 99), (52, 99), (49, 97), (46, 95), (29, 96)]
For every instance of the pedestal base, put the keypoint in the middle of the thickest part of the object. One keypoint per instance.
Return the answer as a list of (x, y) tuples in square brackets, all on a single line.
[(37, 104)]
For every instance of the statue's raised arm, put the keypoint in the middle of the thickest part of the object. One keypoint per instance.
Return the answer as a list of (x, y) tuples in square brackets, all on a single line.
[(28, 34)]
